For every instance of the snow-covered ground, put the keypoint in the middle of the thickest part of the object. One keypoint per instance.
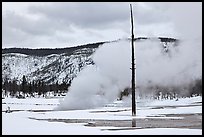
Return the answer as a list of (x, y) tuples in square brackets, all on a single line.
[(36, 116)]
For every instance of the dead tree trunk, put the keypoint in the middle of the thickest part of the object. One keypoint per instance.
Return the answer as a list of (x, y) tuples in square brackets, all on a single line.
[(133, 68)]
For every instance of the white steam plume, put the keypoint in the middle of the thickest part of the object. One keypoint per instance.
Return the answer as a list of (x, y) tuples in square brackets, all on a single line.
[(100, 84), (180, 65)]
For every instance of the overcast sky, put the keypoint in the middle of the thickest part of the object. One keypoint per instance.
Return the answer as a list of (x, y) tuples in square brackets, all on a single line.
[(65, 24)]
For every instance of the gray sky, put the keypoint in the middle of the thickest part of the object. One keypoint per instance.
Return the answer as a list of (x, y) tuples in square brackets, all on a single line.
[(64, 24)]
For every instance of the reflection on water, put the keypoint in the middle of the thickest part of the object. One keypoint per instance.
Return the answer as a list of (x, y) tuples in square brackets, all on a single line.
[(134, 122)]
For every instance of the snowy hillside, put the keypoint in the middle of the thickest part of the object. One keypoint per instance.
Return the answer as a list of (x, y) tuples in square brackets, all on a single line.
[(51, 68)]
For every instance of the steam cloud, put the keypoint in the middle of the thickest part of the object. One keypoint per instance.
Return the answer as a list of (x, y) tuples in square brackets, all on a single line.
[(101, 83), (180, 65)]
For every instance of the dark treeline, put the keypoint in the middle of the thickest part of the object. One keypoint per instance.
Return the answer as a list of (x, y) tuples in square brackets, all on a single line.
[(168, 39), (167, 92), (162, 39), (171, 92), (29, 89), (49, 51)]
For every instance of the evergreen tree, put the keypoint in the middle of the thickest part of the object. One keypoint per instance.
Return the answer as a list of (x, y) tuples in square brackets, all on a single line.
[(14, 87), (30, 89), (56, 88), (5, 86), (39, 88), (24, 85)]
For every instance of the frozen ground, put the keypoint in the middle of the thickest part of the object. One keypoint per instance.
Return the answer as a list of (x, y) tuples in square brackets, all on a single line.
[(36, 116)]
